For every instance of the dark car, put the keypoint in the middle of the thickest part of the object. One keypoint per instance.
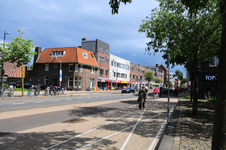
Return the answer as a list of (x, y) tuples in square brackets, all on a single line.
[(15, 84), (27, 85), (128, 90), (43, 87)]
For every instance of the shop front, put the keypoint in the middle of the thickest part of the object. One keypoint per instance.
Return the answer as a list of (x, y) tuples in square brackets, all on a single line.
[(118, 84), (207, 83), (103, 84)]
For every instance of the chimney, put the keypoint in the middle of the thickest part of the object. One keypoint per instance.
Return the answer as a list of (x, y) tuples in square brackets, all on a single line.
[(157, 65), (139, 65), (38, 50), (83, 39)]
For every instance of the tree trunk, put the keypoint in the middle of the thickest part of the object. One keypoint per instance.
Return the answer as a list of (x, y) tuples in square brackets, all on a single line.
[(192, 87), (219, 127), (22, 71), (195, 101)]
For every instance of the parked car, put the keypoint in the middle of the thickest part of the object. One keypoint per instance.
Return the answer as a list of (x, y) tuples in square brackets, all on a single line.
[(45, 85), (15, 84), (27, 85), (128, 90)]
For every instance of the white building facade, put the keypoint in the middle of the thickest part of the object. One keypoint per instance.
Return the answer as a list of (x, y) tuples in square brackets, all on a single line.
[(119, 73)]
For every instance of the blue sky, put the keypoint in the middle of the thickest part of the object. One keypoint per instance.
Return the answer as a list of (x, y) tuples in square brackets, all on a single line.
[(57, 23)]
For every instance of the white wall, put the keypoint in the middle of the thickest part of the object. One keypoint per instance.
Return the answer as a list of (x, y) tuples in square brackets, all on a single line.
[(119, 70)]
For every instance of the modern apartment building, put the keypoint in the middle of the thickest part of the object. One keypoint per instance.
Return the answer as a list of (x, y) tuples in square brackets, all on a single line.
[(119, 72)]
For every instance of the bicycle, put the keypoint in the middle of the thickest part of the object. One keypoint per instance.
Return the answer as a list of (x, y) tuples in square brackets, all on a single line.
[(7, 91), (155, 95), (31, 93)]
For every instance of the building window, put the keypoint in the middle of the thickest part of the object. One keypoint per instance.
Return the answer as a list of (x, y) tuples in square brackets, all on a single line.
[(101, 59), (76, 82), (118, 75), (85, 55), (132, 68), (122, 75), (101, 72), (123, 66), (112, 63), (80, 82), (130, 76), (119, 65), (138, 70), (125, 76), (106, 72), (80, 68), (115, 64), (134, 76), (114, 74), (70, 66), (107, 60), (57, 53), (46, 67), (141, 78), (46, 80), (76, 68), (214, 62), (70, 82), (100, 47), (55, 65), (92, 70), (106, 49), (91, 83)]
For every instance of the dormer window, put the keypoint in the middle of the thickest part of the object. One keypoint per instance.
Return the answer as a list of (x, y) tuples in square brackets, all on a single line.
[(85, 55), (13, 69), (58, 53)]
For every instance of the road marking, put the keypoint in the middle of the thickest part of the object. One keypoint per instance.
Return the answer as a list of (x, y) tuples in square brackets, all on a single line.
[(117, 132), (157, 135), (90, 130), (127, 140)]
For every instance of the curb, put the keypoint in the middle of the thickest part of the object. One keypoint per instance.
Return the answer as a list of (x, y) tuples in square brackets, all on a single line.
[(166, 139)]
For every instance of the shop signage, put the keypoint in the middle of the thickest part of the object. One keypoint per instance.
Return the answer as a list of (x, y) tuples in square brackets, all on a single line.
[(124, 81), (211, 78), (102, 80)]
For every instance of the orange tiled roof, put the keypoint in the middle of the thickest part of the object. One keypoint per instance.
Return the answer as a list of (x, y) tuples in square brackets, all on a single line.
[(72, 55), (12, 70)]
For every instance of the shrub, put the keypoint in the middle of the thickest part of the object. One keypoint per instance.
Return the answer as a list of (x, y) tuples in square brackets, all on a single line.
[(212, 99), (186, 97)]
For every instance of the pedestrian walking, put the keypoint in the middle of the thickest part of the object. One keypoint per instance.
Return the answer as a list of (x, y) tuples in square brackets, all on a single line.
[(142, 97)]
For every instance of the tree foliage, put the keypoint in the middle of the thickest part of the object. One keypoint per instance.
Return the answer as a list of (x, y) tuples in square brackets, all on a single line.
[(148, 76), (19, 51), (157, 80), (114, 4)]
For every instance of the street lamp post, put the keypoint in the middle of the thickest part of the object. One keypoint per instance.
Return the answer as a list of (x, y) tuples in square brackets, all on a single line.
[(2, 72), (60, 74)]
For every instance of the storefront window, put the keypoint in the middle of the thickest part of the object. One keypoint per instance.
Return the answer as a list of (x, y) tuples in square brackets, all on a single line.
[(76, 81), (80, 82)]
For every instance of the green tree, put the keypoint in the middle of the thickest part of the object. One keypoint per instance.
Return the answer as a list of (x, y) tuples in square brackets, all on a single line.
[(219, 127), (183, 81), (148, 77), (157, 80), (31, 67), (179, 75), (19, 51)]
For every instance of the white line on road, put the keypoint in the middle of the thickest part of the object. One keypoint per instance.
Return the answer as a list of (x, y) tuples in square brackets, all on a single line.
[(89, 130), (127, 140), (156, 137), (117, 132)]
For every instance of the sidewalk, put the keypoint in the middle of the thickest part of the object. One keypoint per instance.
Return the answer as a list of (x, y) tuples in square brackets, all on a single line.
[(185, 132)]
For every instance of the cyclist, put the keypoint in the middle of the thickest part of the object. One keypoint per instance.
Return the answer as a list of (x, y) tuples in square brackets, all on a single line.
[(155, 91)]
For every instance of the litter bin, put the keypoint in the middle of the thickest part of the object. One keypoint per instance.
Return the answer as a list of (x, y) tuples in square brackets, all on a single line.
[(95, 88)]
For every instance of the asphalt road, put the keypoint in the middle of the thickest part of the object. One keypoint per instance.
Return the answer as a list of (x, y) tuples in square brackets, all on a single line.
[(43, 101)]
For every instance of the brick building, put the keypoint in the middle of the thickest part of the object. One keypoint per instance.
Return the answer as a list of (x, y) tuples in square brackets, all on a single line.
[(79, 68), (101, 52), (137, 78)]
